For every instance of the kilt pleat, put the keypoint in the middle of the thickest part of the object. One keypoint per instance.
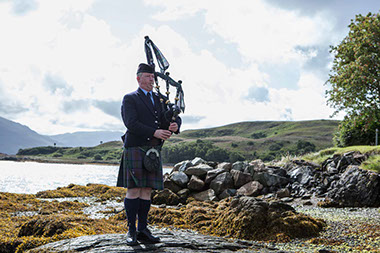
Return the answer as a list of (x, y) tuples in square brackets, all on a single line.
[(132, 173)]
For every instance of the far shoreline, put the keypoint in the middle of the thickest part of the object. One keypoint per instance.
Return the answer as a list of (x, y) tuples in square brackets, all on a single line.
[(18, 158)]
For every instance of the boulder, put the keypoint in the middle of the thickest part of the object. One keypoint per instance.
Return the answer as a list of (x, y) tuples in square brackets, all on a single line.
[(302, 175), (227, 193), (180, 178), (165, 196), (197, 160), (283, 193), (258, 165), (356, 188), (239, 165), (169, 184), (269, 179), (198, 170), (252, 188), (240, 178), (183, 194), (195, 183), (208, 195), (212, 164), (225, 166), (185, 165), (178, 165), (211, 174), (221, 182), (254, 219)]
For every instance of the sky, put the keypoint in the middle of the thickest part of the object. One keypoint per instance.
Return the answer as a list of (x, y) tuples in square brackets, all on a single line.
[(65, 65)]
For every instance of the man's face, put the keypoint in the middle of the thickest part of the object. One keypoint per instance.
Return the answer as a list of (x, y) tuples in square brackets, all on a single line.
[(146, 81)]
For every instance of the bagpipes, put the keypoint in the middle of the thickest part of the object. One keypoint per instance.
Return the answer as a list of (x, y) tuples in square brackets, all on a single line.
[(171, 110)]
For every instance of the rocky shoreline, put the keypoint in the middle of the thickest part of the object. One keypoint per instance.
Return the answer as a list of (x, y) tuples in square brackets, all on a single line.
[(338, 181), (210, 207)]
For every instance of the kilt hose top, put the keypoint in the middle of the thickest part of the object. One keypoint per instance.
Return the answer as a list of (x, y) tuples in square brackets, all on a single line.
[(132, 173)]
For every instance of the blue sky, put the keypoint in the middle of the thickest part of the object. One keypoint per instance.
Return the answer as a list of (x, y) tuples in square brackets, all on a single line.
[(66, 65)]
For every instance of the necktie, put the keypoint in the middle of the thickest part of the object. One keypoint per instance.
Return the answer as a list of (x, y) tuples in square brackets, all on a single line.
[(150, 98)]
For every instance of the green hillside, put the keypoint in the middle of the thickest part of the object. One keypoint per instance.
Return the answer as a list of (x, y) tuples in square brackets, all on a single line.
[(266, 140)]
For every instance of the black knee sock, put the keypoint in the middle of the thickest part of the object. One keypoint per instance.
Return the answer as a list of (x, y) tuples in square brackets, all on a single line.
[(143, 214), (131, 208)]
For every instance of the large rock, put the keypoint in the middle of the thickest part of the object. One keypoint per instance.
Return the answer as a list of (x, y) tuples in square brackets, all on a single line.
[(253, 219), (183, 194), (195, 183), (240, 178), (197, 160), (227, 193), (283, 193), (302, 175), (225, 166), (269, 179), (180, 178), (250, 189), (172, 240), (169, 184), (239, 165), (258, 165), (185, 165), (198, 170), (221, 182), (167, 197), (178, 165), (208, 195), (211, 174), (356, 187)]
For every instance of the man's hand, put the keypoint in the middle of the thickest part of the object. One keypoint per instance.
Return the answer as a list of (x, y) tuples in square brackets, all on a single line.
[(162, 134), (173, 127)]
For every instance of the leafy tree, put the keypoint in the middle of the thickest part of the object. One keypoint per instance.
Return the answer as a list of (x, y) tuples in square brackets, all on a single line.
[(355, 81)]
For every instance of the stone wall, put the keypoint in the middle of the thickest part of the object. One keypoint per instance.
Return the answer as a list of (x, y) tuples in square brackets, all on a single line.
[(339, 180)]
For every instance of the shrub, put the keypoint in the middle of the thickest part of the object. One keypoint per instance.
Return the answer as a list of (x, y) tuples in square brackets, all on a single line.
[(98, 157), (258, 135)]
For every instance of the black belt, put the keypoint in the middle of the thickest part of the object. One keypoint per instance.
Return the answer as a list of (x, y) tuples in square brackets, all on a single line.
[(154, 142)]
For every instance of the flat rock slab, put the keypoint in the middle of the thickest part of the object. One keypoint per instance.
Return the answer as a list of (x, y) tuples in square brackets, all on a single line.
[(171, 241)]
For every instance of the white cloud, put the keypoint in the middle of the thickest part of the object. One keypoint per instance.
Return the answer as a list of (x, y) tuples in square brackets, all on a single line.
[(262, 32), (62, 39)]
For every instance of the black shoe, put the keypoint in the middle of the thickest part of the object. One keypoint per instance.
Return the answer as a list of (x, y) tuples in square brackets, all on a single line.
[(131, 238), (146, 235)]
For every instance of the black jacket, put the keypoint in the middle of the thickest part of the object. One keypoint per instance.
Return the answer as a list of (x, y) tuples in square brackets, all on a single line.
[(142, 119)]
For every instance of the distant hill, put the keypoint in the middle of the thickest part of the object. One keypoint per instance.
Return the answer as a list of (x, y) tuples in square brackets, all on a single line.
[(86, 139), (14, 136), (266, 140)]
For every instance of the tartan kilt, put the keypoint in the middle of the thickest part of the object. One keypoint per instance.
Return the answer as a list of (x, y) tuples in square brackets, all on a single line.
[(132, 173)]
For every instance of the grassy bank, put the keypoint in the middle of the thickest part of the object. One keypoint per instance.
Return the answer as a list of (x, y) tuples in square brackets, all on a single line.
[(372, 163), (106, 153)]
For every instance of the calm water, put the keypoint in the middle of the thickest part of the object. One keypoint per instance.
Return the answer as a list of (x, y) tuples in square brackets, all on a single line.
[(31, 177)]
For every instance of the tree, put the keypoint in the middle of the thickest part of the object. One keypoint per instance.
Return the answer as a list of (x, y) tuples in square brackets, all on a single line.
[(355, 80)]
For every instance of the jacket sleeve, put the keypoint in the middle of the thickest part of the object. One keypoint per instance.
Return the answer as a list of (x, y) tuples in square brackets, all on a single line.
[(130, 118)]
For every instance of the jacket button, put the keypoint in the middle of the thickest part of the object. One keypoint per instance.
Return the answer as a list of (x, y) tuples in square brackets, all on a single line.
[(148, 139)]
